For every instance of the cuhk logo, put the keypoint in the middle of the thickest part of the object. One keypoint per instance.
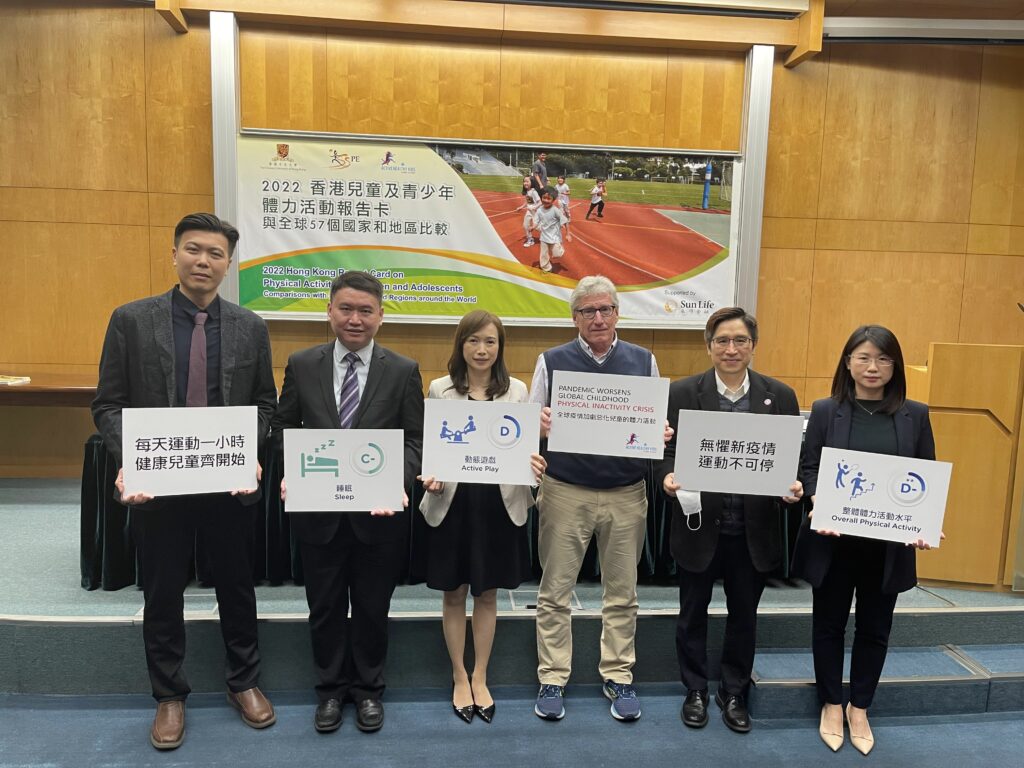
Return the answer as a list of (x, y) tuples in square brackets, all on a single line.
[(908, 489), (505, 432), (368, 459)]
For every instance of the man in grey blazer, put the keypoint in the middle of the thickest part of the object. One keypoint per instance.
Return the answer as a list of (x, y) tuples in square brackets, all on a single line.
[(352, 558), (187, 347)]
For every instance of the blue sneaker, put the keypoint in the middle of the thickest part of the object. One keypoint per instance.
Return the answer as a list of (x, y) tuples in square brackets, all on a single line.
[(625, 704), (549, 702)]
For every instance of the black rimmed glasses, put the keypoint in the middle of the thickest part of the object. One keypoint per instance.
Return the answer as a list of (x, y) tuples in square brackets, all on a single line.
[(589, 313)]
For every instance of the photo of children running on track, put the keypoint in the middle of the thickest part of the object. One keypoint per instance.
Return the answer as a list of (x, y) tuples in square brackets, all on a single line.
[(656, 230)]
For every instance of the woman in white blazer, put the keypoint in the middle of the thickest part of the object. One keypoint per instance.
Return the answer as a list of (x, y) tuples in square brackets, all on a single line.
[(476, 539)]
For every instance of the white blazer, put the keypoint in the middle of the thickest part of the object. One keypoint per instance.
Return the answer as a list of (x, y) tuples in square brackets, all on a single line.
[(518, 498)]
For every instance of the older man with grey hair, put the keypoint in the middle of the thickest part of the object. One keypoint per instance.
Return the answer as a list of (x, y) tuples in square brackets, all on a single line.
[(585, 496)]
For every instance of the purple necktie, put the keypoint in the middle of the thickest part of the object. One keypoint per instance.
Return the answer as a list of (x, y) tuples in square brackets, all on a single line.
[(348, 401), (196, 394)]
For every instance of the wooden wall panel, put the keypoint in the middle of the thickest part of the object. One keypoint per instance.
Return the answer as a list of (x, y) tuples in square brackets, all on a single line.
[(179, 127), (795, 138), (783, 311), (410, 88), (704, 100), (899, 133), (583, 97), (992, 287), (859, 235), (1008, 241), (61, 282), (81, 206), (916, 295), (998, 193), (28, 447), (283, 77), (72, 105)]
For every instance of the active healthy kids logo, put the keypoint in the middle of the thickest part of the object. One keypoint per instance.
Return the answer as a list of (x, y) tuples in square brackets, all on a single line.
[(633, 443)]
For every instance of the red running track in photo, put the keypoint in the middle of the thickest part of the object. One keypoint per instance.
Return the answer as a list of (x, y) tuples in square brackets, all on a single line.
[(633, 244)]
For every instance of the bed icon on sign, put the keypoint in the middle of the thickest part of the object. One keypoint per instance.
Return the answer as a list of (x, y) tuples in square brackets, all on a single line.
[(310, 463), (505, 432)]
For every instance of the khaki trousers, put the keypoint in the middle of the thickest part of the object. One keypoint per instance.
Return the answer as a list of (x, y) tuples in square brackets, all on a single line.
[(570, 515)]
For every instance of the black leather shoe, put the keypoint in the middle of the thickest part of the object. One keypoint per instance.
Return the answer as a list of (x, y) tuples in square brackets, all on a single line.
[(465, 714), (328, 716), (734, 711), (695, 709), (369, 715), (484, 713)]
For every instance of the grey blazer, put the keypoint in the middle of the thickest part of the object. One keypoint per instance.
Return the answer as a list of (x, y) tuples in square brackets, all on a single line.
[(137, 364), (518, 498)]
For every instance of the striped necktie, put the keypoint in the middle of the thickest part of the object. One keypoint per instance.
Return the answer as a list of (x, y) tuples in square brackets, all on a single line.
[(348, 401)]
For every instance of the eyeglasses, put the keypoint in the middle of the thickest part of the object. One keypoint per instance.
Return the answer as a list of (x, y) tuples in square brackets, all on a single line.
[(740, 342), (590, 312), (364, 312), (881, 361)]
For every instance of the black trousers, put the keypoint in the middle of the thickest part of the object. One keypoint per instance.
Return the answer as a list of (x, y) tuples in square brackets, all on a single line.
[(349, 653), (599, 206), (165, 539), (743, 587), (857, 567)]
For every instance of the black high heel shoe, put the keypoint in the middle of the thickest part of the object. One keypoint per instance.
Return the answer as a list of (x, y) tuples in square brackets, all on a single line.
[(484, 713), (465, 714)]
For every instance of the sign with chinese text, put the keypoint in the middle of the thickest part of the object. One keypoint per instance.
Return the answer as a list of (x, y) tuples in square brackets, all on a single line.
[(448, 228), (466, 441), (608, 415), (750, 453), (175, 451), (344, 470), (878, 496)]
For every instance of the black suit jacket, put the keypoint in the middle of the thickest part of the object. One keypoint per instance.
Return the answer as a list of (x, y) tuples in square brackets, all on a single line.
[(693, 550), (137, 367), (392, 399), (829, 426)]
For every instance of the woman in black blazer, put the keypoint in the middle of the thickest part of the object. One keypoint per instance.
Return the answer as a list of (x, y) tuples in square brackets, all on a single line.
[(868, 411)]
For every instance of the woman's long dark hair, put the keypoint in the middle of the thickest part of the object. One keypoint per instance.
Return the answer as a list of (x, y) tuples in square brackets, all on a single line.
[(843, 386), (471, 323)]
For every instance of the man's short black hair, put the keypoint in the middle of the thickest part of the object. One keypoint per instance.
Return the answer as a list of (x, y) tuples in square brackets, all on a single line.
[(359, 281), (206, 222), (730, 313)]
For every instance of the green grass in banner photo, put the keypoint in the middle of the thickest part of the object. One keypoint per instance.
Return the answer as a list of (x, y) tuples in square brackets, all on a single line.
[(619, 191), (505, 295)]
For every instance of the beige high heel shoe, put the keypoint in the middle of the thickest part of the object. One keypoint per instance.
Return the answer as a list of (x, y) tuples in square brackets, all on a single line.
[(862, 742), (832, 739)]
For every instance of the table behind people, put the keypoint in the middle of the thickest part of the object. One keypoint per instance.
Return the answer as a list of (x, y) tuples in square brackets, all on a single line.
[(187, 347), (867, 411), (586, 496), (720, 535), (352, 559)]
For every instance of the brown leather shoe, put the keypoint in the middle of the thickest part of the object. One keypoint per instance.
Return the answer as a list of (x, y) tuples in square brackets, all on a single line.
[(168, 729), (257, 711)]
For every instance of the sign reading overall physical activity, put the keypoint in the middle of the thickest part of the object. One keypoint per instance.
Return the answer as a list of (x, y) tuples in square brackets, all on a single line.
[(175, 451), (878, 496), (608, 415), (343, 470), (480, 442), (749, 453)]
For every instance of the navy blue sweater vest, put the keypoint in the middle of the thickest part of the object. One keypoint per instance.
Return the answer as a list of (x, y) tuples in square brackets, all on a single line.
[(624, 359)]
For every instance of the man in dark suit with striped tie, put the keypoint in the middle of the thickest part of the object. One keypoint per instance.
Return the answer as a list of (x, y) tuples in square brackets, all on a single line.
[(352, 559), (190, 348)]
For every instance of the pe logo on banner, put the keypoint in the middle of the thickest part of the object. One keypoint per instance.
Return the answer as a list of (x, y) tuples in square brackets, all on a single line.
[(505, 432), (368, 459), (908, 489)]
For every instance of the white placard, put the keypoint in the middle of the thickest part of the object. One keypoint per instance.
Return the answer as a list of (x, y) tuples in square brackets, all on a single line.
[(605, 414), (344, 470), (177, 451), (750, 453), (480, 442), (879, 496)]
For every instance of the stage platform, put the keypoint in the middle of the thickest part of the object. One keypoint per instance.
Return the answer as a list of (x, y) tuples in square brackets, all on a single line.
[(953, 651)]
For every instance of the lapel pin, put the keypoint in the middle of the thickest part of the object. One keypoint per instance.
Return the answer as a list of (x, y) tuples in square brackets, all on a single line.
[(767, 401)]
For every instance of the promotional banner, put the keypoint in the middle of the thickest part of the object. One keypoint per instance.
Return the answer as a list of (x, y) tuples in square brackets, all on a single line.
[(880, 496), (608, 415), (480, 442), (175, 451), (343, 470), (750, 453), (449, 228)]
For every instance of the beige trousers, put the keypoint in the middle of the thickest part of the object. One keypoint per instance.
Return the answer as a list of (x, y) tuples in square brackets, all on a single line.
[(569, 516)]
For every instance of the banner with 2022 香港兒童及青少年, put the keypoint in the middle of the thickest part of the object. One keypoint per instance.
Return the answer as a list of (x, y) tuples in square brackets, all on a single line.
[(446, 228)]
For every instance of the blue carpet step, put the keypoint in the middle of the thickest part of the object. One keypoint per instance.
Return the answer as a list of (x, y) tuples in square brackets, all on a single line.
[(933, 680)]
